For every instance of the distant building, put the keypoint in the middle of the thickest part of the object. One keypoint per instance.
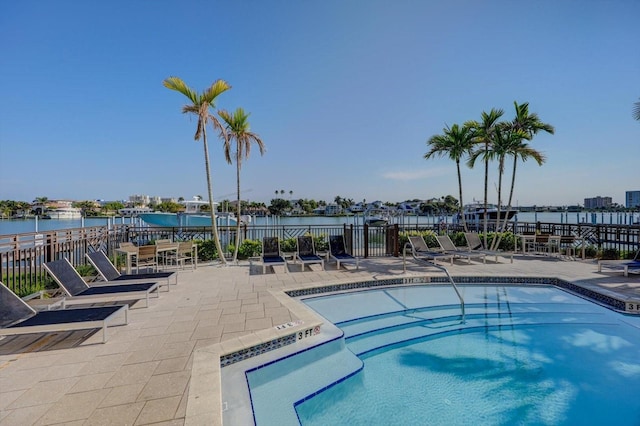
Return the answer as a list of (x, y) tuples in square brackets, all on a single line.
[(139, 199), (332, 210), (597, 202), (632, 199)]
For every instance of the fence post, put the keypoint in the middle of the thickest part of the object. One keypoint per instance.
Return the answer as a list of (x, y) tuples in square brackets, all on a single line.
[(365, 239)]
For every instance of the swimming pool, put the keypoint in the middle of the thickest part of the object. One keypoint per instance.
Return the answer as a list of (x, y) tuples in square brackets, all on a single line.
[(525, 354)]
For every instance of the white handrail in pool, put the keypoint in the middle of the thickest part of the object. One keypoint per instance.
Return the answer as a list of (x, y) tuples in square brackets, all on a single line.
[(442, 268)]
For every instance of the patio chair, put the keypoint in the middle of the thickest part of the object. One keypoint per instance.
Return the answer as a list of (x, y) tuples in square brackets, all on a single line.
[(626, 266), (109, 273), (147, 257), (271, 255), (474, 243), (17, 317), (187, 252), (421, 251), (447, 246), (79, 292), (338, 251), (306, 252)]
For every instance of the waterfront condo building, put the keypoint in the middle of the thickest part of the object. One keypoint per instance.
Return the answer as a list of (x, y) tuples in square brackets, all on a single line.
[(632, 199), (597, 202)]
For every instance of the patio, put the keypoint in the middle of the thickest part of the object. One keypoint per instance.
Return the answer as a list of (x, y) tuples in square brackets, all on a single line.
[(142, 375)]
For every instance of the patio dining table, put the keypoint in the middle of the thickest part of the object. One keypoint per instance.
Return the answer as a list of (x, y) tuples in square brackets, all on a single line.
[(130, 252)]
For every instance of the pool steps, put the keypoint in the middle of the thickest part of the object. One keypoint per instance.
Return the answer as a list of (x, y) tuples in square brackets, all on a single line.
[(306, 374)]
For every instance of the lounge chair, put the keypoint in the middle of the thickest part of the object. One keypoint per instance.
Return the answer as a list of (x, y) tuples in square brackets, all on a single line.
[(109, 273), (271, 255), (338, 251), (447, 246), (421, 251), (79, 292), (627, 266), (306, 252), (17, 317), (474, 243)]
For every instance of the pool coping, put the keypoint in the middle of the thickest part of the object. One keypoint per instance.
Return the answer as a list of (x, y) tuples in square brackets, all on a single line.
[(204, 403)]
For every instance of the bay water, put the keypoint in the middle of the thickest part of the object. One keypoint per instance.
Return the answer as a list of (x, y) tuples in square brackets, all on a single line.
[(19, 226)]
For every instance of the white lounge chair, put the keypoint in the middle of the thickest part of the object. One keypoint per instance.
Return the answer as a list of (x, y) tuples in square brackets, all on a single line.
[(421, 251), (447, 246), (474, 243)]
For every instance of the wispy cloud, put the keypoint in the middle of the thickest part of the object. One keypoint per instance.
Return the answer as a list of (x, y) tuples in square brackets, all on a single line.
[(406, 175)]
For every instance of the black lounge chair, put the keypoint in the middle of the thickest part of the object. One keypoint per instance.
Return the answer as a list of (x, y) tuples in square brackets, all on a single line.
[(80, 293), (271, 255), (338, 251), (17, 317), (109, 273), (421, 251), (306, 252)]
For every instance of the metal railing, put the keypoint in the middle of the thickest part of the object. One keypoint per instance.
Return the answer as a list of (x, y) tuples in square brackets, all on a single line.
[(22, 255), (442, 268)]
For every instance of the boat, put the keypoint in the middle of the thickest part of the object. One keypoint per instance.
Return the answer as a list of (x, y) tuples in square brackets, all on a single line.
[(376, 216), (191, 216), (65, 213), (475, 213)]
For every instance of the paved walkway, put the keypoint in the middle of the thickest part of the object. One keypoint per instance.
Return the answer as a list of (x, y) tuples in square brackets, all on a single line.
[(142, 375)]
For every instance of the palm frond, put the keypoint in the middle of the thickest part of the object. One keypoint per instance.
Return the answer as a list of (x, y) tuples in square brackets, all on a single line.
[(177, 84), (218, 87), (636, 110)]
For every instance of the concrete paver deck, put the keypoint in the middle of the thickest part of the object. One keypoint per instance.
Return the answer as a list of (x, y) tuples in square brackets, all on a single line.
[(144, 373)]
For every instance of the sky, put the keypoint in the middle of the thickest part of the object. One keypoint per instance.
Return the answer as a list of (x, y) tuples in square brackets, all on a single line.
[(343, 93)]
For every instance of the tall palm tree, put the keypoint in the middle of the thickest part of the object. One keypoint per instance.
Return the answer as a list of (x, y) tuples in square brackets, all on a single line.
[(525, 126), (455, 142), (238, 130), (484, 133), (200, 105), (636, 110), (505, 140)]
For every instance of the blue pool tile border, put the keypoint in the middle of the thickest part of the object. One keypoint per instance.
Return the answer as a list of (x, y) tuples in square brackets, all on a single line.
[(289, 339)]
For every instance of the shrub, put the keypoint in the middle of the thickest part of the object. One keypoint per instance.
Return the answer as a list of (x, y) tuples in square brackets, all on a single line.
[(320, 242), (610, 254), (288, 245), (247, 249), (207, 250), (429, 238)]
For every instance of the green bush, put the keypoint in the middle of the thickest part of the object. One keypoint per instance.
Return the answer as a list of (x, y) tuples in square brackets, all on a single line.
[(247, 249), (610, 254), (320, 242), (86, 270), (429, 238), (207, 250), (289, 245)]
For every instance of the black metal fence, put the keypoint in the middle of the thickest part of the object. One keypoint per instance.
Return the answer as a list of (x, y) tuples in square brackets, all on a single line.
[(22, 255)]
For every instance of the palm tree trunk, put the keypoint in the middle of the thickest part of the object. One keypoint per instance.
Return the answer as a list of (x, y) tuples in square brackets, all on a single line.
[(500, 173), (513, 184), (486, 191), (460, 212), (238, 209), (214, 222)]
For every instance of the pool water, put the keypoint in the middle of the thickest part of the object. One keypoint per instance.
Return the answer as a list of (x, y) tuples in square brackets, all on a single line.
[(524, 355)]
